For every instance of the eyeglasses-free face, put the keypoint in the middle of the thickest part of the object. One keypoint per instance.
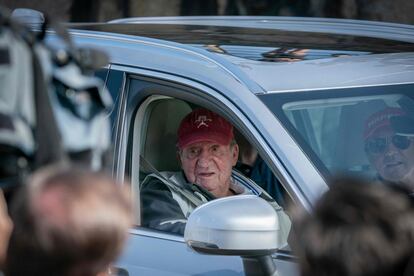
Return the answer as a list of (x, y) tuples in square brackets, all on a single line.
[(209, 165)]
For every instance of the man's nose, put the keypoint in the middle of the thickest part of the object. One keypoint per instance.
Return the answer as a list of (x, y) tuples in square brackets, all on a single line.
[(390, 149), (204, 158)]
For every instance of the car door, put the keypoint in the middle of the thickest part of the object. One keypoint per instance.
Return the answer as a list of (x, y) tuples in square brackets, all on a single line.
[(150, 252)]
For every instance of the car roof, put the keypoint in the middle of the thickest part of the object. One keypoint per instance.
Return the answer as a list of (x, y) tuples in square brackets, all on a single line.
[(274, 54)]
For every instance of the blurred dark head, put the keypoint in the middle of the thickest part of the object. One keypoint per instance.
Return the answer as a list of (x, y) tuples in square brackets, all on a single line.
[(67, 222), (358, 229)]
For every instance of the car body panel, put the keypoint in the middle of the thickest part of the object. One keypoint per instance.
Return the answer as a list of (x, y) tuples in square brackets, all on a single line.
[(181, 259), (190, 262), (374, 69), (369, 54)]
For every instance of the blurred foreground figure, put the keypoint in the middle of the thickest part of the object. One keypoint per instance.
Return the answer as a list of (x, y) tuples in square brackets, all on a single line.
[(68, 222), (6, 226), (358, 229)]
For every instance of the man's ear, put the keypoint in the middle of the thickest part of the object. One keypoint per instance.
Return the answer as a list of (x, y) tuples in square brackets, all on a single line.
[(235, 154), (178, 155)]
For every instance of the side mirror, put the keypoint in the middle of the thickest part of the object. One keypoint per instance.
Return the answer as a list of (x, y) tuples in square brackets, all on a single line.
[(91, 58), (245, 226), (239, 225)]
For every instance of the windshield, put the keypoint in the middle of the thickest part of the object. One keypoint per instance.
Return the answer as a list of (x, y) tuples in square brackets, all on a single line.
[(359, 131)]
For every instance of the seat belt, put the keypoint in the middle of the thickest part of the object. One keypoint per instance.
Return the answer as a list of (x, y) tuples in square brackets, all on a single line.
[(261, 192), (147, 166)]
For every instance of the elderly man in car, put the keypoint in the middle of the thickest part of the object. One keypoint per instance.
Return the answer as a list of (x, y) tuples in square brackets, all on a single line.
[(207, 151), (389, 136)]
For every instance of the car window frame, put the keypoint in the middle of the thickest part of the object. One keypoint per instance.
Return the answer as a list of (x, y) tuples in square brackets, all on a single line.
[(196, 93)]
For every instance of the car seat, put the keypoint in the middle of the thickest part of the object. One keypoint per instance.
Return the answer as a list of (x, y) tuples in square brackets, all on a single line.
[(160, 138)]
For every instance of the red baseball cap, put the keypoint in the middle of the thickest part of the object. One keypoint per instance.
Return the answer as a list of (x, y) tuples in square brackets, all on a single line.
[(203, 125), (379, 120)]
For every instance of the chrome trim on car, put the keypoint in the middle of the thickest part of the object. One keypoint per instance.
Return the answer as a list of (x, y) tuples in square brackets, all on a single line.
[(336, 87), (155, 234)]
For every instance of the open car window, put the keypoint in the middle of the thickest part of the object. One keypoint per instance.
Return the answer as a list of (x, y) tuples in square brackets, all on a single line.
[(155, 136)]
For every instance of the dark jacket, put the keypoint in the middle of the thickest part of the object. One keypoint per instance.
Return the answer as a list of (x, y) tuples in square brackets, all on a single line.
[(166, 206)]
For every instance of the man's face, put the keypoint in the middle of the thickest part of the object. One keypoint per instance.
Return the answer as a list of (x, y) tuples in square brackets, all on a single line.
[(392, 156), (209, 165)]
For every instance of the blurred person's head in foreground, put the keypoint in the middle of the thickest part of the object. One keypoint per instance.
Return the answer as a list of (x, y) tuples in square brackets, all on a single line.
[(6, 226), (357, 229), (389, 145), (67, 222)]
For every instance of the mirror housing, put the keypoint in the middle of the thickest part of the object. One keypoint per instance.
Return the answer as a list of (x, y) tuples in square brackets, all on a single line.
[(29, 17), (91, 59), (232, 225)]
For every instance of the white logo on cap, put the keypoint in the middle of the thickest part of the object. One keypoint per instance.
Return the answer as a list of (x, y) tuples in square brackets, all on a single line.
[(380, 119), (202, 121)]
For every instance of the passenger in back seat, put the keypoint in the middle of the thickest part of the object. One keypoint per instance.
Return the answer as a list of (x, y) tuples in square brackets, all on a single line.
[(389, 145), (252, 166)]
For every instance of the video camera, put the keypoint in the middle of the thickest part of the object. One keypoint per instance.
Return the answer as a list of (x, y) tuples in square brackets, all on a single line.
[(52, 108)]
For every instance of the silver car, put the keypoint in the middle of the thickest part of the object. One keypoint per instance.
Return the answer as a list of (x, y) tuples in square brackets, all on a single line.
[(300, 91)]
